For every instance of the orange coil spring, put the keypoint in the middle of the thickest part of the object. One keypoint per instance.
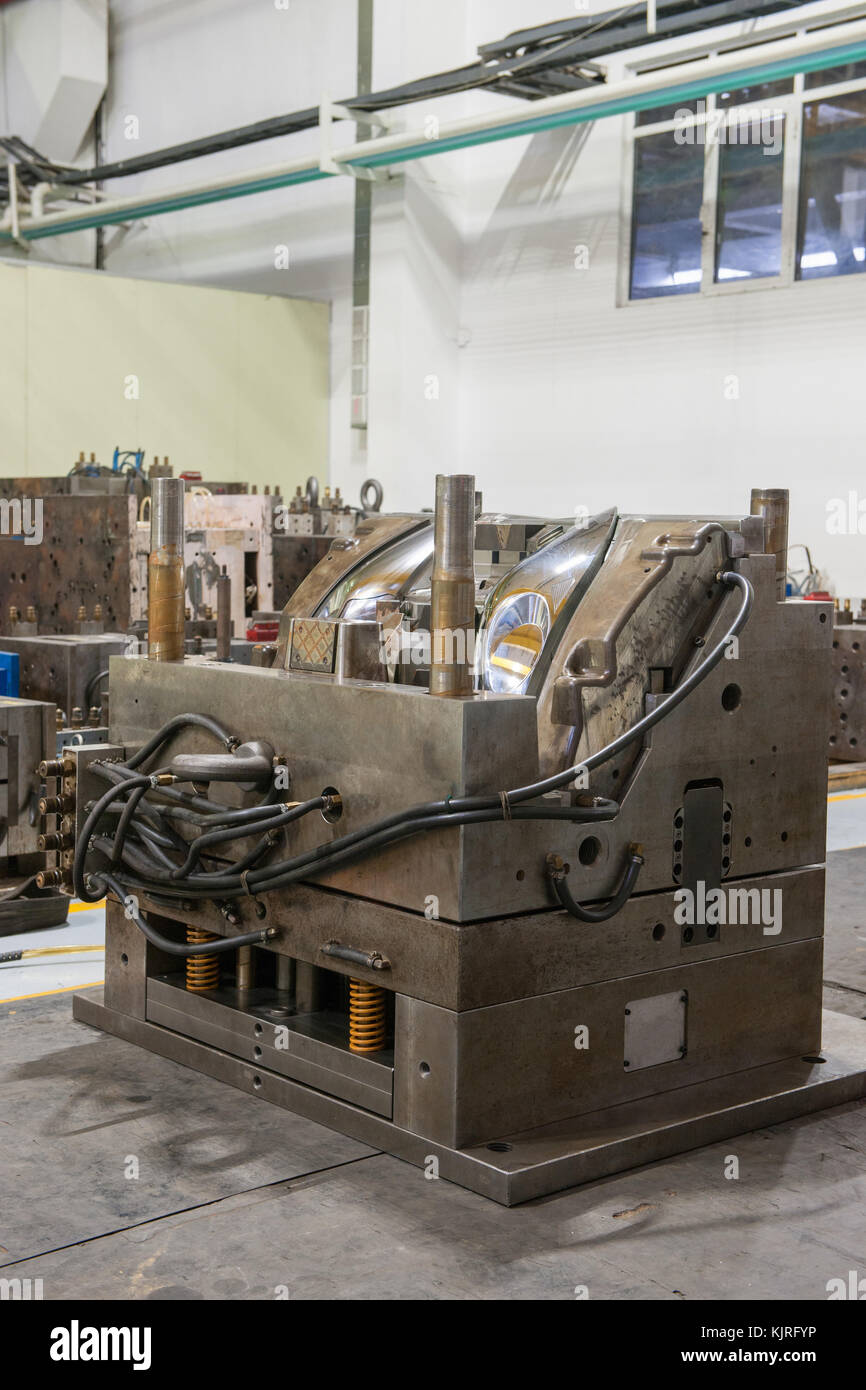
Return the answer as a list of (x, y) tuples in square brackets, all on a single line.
[(202, 972), (366, 1017)]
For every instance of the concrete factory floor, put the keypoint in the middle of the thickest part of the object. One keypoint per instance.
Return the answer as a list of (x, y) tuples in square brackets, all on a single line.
[(236, 1199)]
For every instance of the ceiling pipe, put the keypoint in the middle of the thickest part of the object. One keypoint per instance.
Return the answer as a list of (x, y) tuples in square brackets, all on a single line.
[(644, 91)]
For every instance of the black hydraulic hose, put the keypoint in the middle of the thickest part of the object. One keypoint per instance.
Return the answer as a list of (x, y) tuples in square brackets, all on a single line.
[(220, 815), (461, 810), (153, 846), (132, 806), (324, 857), (559, 879), (94, 681), (320, 860), (181, 721), (20, 891), (174, 948), (146, 831), (209, 813), (418, 815), (484, 73), (235, 832), (125, 818), (664, 708), (82, 844)]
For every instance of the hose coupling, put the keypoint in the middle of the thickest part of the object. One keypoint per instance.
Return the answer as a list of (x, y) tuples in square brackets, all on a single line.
[(556, 867)]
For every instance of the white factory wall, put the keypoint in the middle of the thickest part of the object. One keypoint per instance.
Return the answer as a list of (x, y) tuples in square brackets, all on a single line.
[(234, 385), (566, 400), (489, 351), (194, 67)]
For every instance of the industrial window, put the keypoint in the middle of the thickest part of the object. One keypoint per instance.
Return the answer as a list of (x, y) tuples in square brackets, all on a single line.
[(832, 222), (754, 187), (668, 189), (749, 218)]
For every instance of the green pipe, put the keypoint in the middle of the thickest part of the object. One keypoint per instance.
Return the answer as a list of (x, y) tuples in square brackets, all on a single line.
[(183, 200), (685, 91)]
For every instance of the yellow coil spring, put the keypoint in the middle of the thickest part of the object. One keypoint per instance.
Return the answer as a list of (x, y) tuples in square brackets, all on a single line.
[(202, 972), (366, 1017)]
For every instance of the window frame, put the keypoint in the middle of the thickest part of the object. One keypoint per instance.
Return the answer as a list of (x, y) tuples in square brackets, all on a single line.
[(791, 107)]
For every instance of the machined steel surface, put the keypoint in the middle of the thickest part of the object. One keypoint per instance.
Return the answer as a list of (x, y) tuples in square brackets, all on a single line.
[(165, 572), (87, 556), (294, 558), (462, 1078), (511, 1028), (95, 548), (62, 669), (848, 698), (476, 965), (452, 588), (26, 738), (516, 1167), (771, 503), (386, 748), (257, 1025)]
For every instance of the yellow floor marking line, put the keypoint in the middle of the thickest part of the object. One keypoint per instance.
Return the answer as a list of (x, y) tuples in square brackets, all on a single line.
[(65, 989)]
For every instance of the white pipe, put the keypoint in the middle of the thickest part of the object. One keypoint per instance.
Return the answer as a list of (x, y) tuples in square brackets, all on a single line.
[(659, 80), (43, 191), (628, 89), (12, 179)]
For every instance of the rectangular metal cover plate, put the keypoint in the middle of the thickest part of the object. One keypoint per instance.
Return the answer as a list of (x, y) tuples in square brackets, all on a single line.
[(655, 1030), (313, 645)]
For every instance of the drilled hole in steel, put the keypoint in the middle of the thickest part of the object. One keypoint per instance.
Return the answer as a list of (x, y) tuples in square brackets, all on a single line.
[(589, 850)]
